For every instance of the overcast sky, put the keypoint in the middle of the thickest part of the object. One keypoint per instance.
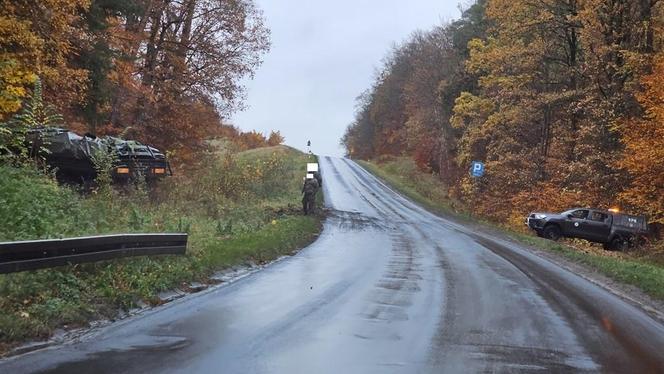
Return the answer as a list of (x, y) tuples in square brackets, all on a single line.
[(324, 54)]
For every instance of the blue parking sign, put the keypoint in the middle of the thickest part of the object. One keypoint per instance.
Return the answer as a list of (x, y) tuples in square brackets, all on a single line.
[(477, 169)]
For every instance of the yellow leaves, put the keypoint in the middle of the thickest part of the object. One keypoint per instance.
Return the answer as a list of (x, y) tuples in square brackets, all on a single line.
[(519, 18), (16, 34), (471, 110), (476, 45), (39, 37), (477, 49), (13, 80)]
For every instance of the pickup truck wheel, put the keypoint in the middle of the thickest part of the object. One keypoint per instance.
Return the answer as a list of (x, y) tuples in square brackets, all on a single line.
[(641, 241), (552, 232), (618, 243)]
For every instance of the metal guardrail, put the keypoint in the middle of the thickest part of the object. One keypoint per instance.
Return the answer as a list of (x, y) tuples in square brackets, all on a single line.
[(39, 254)]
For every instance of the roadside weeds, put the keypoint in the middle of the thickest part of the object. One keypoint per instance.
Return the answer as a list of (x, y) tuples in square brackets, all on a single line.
[(233, 223)]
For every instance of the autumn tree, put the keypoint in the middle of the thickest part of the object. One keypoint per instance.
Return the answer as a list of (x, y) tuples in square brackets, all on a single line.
[(387, 107), (251, 139), (14, 80), (275, 138), (643, 136), (407, 110), (189, 57), (560, 99), (426, 127), (39, 38), (618, 42), (528, 77), (359, 138), (101, 54)]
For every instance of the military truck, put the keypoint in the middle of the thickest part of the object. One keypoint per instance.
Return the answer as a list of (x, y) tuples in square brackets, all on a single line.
[(616, 231), (71, 155)]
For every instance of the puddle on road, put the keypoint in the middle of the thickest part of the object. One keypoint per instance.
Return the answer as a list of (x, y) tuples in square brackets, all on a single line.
[(140, 352)]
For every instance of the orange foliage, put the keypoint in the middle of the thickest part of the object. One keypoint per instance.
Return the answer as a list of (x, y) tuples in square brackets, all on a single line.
[(643, 138), (254, 139), (275, 138), (40, 38), (562, 100), (159, 72)]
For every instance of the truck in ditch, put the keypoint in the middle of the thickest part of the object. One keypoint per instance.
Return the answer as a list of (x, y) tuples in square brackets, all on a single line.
[(616, 231), (72, 155)]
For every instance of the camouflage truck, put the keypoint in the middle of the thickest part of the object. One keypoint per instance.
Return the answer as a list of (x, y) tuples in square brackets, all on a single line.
[(71, 155)]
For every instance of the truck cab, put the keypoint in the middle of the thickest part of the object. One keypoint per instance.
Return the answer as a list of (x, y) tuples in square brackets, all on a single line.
[(614, 230), (589, 224)]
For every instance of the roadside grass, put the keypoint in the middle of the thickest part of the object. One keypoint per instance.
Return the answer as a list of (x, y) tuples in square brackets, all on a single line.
[(643, 270), (646, 275), (403, 175), (237, 209)]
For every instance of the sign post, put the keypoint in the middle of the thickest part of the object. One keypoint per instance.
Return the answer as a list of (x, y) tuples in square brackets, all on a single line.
[(477, 169)]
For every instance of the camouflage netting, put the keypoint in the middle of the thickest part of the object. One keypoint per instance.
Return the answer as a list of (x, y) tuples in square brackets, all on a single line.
[(64, 143)]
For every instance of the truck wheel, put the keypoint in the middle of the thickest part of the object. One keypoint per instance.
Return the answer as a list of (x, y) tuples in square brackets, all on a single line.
[(618, 243), (625, 244), (641, 241), (552, 232)]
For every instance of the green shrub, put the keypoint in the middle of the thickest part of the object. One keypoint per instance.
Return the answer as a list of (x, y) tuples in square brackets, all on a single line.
[(33, 206)]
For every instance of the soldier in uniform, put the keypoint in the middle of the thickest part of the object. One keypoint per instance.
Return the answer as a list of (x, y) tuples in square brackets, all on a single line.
[(319, 178), (309, 190)]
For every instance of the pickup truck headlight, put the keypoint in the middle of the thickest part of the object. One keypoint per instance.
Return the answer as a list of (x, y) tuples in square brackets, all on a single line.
[(540, 216)]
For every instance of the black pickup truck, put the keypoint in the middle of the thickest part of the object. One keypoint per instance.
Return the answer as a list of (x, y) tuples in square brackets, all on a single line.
[(616, 231)]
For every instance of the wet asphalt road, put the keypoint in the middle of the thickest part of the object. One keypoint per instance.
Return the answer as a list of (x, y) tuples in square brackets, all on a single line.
[(387, 288)]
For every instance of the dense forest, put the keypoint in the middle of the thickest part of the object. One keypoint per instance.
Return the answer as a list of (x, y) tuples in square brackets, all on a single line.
[(165, 72), (562, 99)]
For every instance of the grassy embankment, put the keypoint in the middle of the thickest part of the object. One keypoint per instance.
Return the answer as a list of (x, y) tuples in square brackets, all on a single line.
[(236, 208), (644, 270)]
